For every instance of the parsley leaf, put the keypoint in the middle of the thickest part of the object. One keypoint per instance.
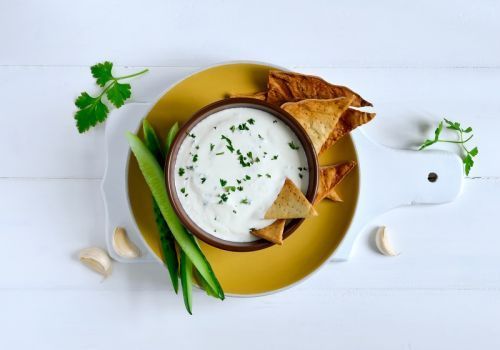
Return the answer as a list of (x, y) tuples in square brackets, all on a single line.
[(181, 171), (102, 72), (223, 182), (118, 94), (293, 145), (455, 126), (92, 110)]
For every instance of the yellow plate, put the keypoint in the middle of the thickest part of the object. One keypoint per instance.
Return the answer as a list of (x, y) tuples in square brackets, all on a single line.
[(270, 269)]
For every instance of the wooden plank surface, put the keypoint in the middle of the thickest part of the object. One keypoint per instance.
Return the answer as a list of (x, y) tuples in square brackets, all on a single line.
[(417, 62)]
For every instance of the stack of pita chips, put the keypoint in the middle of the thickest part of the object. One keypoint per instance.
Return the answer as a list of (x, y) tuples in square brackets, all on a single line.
[(324, 111)]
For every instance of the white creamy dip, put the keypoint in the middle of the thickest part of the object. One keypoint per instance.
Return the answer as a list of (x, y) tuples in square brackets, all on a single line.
[(231, 167)]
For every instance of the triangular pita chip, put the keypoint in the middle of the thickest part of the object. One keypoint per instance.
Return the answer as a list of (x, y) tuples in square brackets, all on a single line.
[(318, 117), (350, 120), (261, 95), (334, 196), (332, 175), (272, 233), (291, 87), (290, 204)]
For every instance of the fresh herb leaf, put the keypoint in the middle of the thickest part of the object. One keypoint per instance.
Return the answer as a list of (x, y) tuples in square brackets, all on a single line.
[(183, 190), (92, 110), (232, 128), (247, 177), (195, 158), (243, 127), (118, 94), (223, 198), (268, 175), (240, 188), (260, 137), (230, 188), (244, 201), (223, 182), (203, 179), (274, 157), (102, 72), (181, 171), (293, 145), (219, 154), (251, 121), (468, 154), (212, 147), (229, 145)]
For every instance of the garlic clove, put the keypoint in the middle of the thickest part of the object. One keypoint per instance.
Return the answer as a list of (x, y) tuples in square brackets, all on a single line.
[(96, 259), (382, 242), (123, 246)]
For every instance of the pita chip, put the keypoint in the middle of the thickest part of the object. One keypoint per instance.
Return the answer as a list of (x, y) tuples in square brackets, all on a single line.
[(350, 120), (261, 95), (291, 87), (332, 175), (290, 204), (272, 233), (318, 117), (334, 196)]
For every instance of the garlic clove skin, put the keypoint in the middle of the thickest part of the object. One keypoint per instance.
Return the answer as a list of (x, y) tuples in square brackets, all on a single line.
[(96, 259), (383, 244), (123, 246)]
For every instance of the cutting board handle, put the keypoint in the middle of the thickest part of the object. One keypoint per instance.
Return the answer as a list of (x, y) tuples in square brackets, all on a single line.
[(391, 178)]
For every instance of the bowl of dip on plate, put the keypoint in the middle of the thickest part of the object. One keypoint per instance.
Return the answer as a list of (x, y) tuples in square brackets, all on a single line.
[(228, 163)]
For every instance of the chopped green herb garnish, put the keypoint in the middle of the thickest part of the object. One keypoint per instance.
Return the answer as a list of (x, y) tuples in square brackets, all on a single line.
[(274, 157), (229, 145), (259, 175), (301, 176), (242, 158), (293, 145), (232, 128), (275, 121), (230, 188), (240, 188), (251, 121), (238, 181), (212, 147), (181, 171), (223, 198), (247, 177), (268, 175), (260, 137), (183, 190), (223, 182), (197, 147), (190, 167), (234, 211), (203, 179), (191, 135), (195, 158), (244, 201), (243, 127), (219, 154)]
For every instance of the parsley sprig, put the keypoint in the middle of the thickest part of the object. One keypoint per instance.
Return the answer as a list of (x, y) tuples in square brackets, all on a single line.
[(92, 110), (469, 154)]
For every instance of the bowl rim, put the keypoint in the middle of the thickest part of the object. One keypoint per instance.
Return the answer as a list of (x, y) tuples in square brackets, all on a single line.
[(204, 112)]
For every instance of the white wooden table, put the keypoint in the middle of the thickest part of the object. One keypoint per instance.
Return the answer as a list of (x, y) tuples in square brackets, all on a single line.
[(416, 61)]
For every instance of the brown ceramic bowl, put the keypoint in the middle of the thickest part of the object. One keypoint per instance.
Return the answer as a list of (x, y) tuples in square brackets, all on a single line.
[(312, 162)]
